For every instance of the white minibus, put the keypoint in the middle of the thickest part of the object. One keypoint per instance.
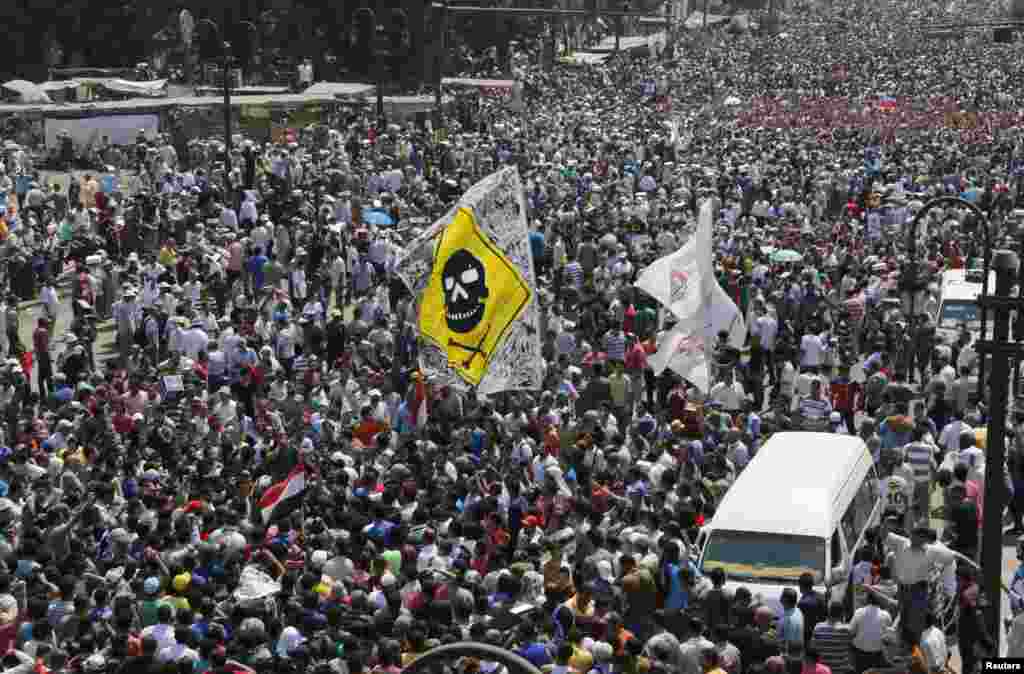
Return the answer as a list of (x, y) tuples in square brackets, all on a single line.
[(801, 505)]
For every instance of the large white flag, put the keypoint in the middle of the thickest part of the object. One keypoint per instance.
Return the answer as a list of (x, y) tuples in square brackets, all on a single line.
[(678, 280), (723, 314), (685, 283), (684, 348), (685, 353)]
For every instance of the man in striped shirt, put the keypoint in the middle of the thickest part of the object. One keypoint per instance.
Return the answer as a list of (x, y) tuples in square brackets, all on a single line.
[(920, 455), (833, 640), (815, 408), (573, 274), (615, 345)]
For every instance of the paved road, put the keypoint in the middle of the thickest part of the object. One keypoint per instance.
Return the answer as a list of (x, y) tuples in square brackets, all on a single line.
[(31, 311)]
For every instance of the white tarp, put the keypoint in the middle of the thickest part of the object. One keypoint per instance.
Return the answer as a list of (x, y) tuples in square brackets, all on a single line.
[(119, 129), (585, 58), (255, 584), (631, 42), (58, 85), (696, 20), (29, 93), (152, 88), (339, 89)]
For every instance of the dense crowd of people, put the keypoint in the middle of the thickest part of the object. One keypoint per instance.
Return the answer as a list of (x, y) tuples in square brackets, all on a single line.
[(259, 334)]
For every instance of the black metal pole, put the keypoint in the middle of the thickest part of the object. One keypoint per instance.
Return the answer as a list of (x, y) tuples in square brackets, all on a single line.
[(380, 97), (441, 17), (227, 120), (1005, 263)]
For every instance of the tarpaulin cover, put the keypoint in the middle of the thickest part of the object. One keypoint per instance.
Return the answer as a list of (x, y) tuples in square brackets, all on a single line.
[(154, 88)]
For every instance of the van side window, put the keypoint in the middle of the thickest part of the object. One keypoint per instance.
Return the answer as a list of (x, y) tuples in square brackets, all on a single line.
[(858, 514), (837, 549)]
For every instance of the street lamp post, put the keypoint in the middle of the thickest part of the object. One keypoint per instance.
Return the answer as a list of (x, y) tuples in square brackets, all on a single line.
[(384, 44), (226, 68), (440, 35)]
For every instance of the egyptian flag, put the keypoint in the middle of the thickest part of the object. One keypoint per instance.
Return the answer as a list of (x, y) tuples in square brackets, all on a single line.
[(277, 499), (419, 406)]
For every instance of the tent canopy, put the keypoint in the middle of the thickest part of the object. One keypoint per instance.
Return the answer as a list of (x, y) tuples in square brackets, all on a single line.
[(29, 92), (696, 20), (339, 89), (154, 88), (480, 83), (583, 58)]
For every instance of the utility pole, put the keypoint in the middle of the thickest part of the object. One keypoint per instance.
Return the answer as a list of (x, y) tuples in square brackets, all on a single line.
[(226, 67), (1005, 264), (441, 34)]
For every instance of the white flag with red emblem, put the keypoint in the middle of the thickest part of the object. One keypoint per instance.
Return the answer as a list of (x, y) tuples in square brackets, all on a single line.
[(679, 280)]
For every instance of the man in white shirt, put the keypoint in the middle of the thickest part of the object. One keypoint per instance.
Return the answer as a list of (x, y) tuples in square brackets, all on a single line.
[(934, 648), (767, 330), (912, 561), (228, 217), (195, 340), (812, 351), (728, 393), (949, 437), (225, 408), (868, 626)]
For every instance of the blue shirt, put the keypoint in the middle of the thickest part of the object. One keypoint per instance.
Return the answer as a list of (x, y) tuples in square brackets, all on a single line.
[(537, 653), (537, 245), (791, 629), (676, 598), (256, 263)]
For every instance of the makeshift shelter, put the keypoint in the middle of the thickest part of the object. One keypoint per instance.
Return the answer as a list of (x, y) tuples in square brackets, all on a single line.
[(339, 89), (27, 91)]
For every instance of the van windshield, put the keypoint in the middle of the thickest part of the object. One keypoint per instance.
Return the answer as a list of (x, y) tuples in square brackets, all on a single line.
[(765, 557)]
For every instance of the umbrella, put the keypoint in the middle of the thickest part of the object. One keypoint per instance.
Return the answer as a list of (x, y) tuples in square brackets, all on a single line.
[(786, 255), (378, 218), (30, 93)]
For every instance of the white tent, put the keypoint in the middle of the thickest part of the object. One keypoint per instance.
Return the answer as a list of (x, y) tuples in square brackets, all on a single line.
[(29, 93)]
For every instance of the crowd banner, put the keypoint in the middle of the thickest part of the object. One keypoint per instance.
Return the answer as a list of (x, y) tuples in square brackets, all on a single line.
[(472, 275), (85, 131)]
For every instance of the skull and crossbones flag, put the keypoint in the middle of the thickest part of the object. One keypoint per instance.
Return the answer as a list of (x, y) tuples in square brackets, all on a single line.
[(472, 276)]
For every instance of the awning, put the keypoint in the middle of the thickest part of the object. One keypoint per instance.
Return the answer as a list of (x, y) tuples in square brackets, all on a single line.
[(29, 92), (151, 89), (627, 43), (479, 83), (339, 89), (59, 85), (584, 58), (696, 20)]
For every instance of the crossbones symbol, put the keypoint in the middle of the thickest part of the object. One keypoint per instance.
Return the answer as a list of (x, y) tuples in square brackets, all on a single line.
[(473, 351)]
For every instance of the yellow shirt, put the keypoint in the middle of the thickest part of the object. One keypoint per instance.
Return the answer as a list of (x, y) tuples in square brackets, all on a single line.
[(619, 385), (87, 193), (168, 257)]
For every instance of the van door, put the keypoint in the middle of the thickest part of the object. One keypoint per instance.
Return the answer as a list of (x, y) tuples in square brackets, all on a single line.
[(839, 557), (697, 554)]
